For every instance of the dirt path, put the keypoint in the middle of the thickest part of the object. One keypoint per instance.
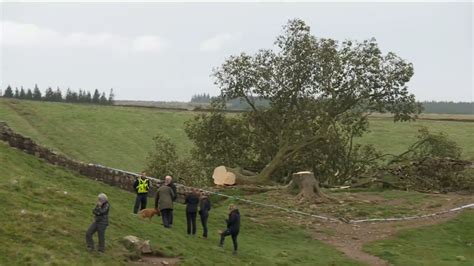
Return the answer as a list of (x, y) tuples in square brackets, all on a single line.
[(350, 238)]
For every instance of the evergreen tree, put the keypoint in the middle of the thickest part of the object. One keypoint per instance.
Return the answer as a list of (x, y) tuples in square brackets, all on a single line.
[(96, 97), (8, 92), (111, 96), (58, 96), (17, 93), (88, 97), (74, 97), (36, 93), (29, 95), (81, 96), (22, 93), (68, 97), (49, 95), (103, 99)]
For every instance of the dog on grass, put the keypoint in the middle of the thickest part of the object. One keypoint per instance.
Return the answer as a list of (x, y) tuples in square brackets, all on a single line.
[(149, 213)]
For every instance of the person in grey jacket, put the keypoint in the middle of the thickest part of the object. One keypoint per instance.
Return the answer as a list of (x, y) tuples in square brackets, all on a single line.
[(169, 182), (164, 202), (101, 221)]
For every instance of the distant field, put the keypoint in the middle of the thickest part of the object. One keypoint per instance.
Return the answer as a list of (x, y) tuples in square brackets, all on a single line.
[(122, 136), (393, 137)]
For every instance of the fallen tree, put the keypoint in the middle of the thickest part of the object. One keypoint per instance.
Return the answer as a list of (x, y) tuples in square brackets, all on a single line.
[(315, 89)]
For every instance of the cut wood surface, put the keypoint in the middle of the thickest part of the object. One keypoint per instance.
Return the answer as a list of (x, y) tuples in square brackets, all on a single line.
[(222, 177)]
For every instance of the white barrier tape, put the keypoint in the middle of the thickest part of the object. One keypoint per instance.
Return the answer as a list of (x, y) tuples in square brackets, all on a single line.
[(471, 205), (232, 197), (275, 207)]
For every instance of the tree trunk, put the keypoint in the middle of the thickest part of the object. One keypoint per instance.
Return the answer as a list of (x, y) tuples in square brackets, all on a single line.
[(242, 179), (272, 166), (231, 176), (307, 187), (264, 177)]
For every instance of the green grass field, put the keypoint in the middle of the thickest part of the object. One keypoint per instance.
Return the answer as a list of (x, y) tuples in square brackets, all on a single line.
[(121, 137), (451, 243), (394, 138), (51, 229)]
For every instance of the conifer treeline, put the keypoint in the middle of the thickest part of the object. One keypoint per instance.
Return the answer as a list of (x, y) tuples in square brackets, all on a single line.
[(201, 98), (81, 96)]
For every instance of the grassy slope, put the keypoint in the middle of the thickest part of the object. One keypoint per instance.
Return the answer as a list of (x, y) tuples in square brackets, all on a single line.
[(52, 229), (122, 137), (114, 136), (451, 243)]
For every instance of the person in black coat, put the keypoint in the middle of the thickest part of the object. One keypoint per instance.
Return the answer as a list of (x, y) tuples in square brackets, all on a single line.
[(101, 221), (204, 208), (233, 227), (191, 201)]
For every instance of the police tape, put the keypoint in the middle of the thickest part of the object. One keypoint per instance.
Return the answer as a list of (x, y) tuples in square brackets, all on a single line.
[(343, 220), (405, 218), (392, 219)]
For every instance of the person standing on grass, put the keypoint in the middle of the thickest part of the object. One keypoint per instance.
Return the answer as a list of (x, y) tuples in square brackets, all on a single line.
[(164, 202), (141, 185), (233, 227), (169, 182), (204, 208), (191, 201), (101, 221)]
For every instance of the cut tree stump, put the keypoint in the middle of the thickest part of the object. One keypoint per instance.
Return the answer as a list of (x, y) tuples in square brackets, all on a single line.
[(307, 187)]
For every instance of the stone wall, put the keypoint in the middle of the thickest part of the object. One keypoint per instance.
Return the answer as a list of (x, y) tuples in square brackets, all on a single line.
[(113, 177)]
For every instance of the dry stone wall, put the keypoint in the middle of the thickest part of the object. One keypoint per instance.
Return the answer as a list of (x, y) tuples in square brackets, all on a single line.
[(113, 177)]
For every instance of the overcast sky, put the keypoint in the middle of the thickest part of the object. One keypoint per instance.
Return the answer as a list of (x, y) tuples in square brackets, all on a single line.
[(166, 51)]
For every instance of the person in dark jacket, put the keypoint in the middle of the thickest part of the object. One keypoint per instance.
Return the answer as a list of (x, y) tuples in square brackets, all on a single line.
[(101, 221), (164, 202), (169, 182), (141, 185), (192, 202), (233, 227), (204, 208)]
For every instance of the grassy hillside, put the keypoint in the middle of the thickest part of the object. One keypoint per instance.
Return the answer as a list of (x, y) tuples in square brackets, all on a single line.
[(114, 136), (46, 211), (121, 137), (44, 225)]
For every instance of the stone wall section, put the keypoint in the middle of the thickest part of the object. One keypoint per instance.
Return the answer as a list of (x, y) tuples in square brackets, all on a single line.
[(111, 176)]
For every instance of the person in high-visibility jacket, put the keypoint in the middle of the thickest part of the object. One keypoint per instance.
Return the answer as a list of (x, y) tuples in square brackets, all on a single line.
[(141, 185)]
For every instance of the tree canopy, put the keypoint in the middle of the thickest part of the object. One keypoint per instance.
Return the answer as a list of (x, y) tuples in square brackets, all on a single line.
[(315, 88)]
